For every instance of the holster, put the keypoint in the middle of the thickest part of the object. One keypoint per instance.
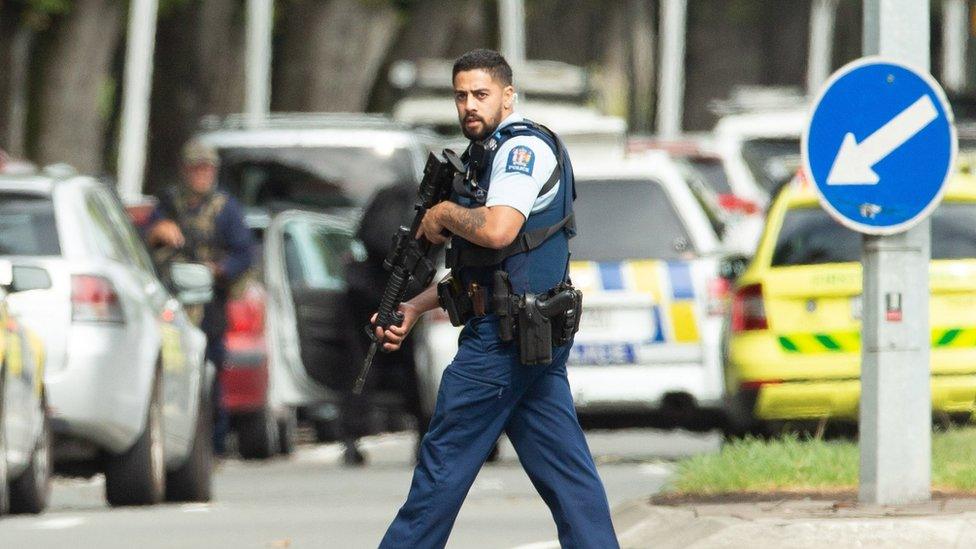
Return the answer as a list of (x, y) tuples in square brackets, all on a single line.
[(565, 326), (454, 299), (540, 322)]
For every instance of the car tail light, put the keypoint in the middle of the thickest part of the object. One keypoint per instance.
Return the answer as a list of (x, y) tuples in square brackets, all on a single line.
[(732, 203), (246, 315), (718, 296), (94, 299), (748, 311), (757, 384)]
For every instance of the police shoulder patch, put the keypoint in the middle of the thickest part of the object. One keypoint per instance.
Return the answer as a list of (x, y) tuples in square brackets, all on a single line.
[(520, 160)]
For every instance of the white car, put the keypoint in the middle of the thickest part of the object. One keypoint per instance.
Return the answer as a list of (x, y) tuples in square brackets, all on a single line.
[(647, 261), (126, 381), (760, 152)]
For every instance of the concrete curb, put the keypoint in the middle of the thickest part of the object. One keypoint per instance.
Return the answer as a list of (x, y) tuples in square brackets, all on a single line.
[(795, 524), (641, 524)]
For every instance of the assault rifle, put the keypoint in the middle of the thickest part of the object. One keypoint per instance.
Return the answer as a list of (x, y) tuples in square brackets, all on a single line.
[(409, 260)]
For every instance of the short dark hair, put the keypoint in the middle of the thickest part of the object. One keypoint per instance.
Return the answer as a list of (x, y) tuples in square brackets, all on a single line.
[(490, 61)]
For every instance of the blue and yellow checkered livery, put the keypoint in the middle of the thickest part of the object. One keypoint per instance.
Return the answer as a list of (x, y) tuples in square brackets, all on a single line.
[(669, 283)]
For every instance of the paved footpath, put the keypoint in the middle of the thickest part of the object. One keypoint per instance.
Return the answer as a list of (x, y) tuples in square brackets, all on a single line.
[(797, 524)]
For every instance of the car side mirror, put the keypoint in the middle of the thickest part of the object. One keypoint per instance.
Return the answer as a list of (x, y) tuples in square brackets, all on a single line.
[(193, 282), (29, 277), (732, 267)]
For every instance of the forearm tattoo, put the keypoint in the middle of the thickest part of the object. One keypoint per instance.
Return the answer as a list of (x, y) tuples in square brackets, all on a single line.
[(464, 221)]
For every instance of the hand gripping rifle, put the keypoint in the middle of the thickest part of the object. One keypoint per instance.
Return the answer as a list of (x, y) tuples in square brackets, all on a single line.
[(409, 260)]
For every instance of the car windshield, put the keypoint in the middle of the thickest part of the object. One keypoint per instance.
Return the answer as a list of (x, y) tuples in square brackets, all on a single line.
[(316, 178), (811, 237), (27, 225), (713, 173), (627, 219), (772, 162)]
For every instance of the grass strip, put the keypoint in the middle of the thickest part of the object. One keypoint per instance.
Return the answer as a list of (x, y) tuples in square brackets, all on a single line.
[(798, 463)]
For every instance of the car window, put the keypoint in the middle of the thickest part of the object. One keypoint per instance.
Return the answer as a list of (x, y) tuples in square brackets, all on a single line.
[(131, 245), (811, 237), (627, 219), (319, 178), (27, 225), (713, 173), (772, 161), (103, 236), (315, 255)]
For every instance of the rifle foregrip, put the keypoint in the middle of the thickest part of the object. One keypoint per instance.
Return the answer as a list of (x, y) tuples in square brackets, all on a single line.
[(388, 314)]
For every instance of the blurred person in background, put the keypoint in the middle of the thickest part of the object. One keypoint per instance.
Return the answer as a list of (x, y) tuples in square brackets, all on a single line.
[(396, 372), (194, 222)]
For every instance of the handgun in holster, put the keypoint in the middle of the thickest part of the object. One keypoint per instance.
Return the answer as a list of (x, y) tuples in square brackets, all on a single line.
[(541, 322)]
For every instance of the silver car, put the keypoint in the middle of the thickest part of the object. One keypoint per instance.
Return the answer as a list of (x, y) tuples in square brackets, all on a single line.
[(126, 379)]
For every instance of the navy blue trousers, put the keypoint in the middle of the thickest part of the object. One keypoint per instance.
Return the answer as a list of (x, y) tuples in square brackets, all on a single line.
[(485, 392)]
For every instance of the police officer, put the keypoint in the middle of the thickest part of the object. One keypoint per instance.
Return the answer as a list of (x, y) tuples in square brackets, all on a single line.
[(516, 205), (197, 223)]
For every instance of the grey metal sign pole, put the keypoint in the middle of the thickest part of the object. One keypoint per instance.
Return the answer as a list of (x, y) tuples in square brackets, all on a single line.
[(671, 84), (896, 410), (257, 94)]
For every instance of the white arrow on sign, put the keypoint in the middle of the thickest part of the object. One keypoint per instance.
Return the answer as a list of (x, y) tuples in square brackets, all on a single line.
[(854, 160)]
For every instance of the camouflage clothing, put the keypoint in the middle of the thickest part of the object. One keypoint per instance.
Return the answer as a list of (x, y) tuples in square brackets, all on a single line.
[(198, 224)]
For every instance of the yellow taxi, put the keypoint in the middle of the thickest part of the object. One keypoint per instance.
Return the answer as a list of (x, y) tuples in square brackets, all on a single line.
[(792, 345)]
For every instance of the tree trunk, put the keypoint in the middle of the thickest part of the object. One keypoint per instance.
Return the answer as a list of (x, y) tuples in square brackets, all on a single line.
[(572, 31), (430, 31), (8, 26), (199, 70), (331, 54), (72, 107), (642, 80), (613, 76), (735, 43)]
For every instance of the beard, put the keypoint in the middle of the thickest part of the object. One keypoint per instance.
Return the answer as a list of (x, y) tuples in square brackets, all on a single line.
[(486, 128)]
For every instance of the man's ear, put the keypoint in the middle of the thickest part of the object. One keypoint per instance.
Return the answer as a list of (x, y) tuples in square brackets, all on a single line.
[(508, 95)]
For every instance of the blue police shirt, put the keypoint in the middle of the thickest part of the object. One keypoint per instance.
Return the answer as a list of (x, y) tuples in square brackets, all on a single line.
[(520, 169)]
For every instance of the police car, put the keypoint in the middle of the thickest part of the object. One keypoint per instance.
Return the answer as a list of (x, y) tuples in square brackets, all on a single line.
[(793, 341), (646, 259)]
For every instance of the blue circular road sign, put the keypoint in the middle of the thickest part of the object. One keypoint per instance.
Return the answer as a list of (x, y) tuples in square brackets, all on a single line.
[(880, 145)]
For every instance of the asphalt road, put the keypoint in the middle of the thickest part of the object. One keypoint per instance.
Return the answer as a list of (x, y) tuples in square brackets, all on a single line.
[(311, 500)]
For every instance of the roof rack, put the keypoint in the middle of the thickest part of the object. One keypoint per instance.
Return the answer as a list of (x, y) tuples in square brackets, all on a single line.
[(299, 120), (746, 99), (534, 77)]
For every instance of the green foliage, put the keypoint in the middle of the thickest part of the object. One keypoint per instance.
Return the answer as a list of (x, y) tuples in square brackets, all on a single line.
[(49, 7), (795, 463), (789, 463), (952, 459)]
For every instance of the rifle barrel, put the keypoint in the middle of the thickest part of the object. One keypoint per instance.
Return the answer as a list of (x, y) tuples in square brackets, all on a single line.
[(367, 364)]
